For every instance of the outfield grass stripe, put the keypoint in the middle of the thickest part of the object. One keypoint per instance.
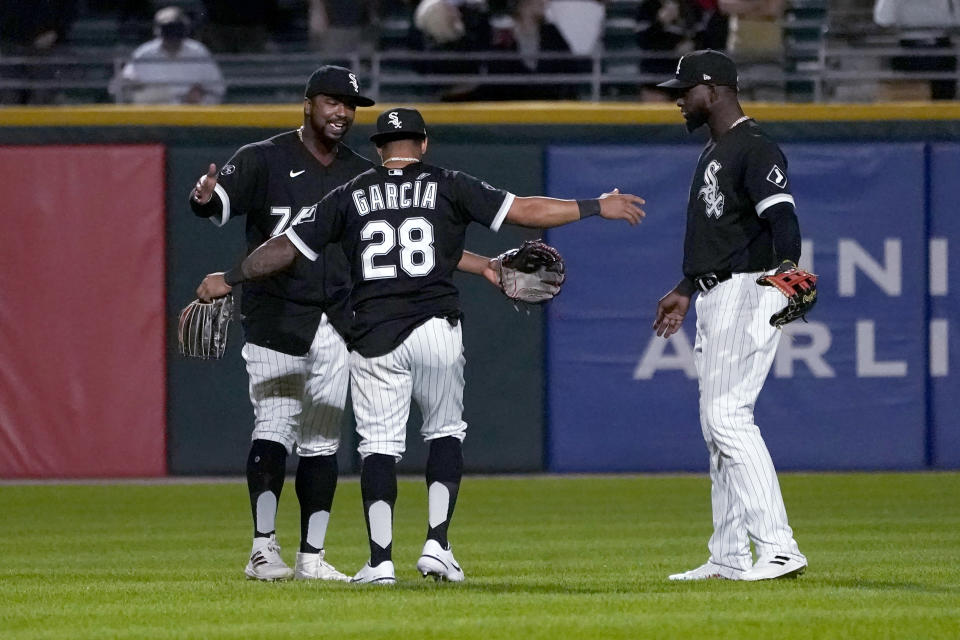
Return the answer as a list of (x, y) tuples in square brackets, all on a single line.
[(546, 557)]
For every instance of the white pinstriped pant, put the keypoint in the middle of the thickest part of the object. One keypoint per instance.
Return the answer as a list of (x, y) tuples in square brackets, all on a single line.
[(427, 366), (734, 350), (299, 400)]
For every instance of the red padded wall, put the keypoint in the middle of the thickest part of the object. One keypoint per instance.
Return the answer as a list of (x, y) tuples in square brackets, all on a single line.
[(82, 345)]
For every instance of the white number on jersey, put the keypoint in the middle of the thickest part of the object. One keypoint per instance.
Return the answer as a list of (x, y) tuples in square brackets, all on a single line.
[(417, 256), (416, 242), (388, 240), (304, 215)]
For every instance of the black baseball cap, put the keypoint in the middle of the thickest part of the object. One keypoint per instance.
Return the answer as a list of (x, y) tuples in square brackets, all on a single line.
[(703, 67), (398, 124), (338, 82)]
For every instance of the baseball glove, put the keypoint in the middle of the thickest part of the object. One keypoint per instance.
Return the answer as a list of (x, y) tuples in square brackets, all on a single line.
[(532, 273), (203, 328), (799, 286)]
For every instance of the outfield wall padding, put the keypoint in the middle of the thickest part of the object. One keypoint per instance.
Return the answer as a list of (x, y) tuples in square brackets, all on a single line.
[(82, 353)]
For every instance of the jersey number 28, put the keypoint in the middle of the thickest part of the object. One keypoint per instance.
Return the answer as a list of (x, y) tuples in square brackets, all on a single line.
[(416, 248)]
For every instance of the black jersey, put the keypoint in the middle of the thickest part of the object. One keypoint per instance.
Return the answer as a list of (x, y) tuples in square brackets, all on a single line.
[(275, 183), (738, 178), (403, 233)]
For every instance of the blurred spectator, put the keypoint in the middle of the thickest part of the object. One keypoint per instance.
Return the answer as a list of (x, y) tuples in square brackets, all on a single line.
[(451, 25), (580, 22), (171, 68), (32, 29), (238, 26), (756, 44), (713, 27), (663, 26), (456, 26), (526, 31), (756, 35), (338, 26), (923, 25), (675, 27)]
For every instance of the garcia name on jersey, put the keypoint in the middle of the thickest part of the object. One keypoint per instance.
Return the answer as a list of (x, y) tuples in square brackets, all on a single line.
[(389, 195), (402, 231)]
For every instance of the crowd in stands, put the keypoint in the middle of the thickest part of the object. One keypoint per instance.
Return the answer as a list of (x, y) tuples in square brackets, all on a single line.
[(174, 61), (923, 24)]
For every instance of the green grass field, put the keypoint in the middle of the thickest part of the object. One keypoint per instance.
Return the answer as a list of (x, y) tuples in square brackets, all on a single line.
[(545, 557)]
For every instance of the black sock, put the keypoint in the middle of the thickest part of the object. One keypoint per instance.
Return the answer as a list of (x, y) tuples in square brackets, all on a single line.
[(266, 466), (444, 466), (378, 483), (316, 484)]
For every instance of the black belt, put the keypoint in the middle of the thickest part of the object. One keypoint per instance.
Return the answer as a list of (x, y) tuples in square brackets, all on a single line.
[(709, 280)]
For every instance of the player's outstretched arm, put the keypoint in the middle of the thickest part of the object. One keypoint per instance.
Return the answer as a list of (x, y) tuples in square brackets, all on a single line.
[(480, 265), (672, 309), (544, 213), (274, 255)]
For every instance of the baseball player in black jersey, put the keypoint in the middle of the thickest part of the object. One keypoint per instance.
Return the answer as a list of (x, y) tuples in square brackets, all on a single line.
[(293, 322), (402, 227), (741, 224)]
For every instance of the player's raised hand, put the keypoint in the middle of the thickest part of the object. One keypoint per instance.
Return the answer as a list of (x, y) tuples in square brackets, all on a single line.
[(213, 286), (671, 311), (622, 206), (203, 190)]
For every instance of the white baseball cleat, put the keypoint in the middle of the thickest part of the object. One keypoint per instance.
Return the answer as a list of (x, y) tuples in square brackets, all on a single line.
[(772, 567), (439, 562), (381, 574), (709, 570), (312, 566), (265, 561)]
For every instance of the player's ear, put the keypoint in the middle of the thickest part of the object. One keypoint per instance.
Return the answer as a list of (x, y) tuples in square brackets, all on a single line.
[(307, 107), (423, 146)]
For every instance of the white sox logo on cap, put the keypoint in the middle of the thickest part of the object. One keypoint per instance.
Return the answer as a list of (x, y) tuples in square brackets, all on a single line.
[(354, 83), (395, 120)]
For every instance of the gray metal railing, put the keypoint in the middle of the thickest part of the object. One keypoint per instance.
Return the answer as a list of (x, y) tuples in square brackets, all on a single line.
[(399, 75)]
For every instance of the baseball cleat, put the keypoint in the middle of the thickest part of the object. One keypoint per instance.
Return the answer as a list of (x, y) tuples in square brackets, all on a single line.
[(312, 566), (779, 566), (439, 562), (265, 561), (381, 574), (708, 570)]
